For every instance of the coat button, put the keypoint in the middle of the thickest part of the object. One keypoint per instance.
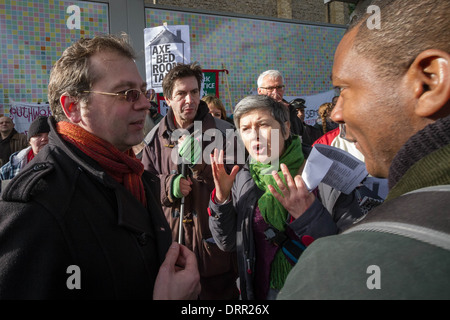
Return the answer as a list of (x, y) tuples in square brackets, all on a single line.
[(142, 239), (39, 166)]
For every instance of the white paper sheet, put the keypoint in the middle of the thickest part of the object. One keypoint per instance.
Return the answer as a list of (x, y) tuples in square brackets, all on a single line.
[(335, 167)]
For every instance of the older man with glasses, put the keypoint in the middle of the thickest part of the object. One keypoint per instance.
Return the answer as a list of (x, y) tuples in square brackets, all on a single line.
[(271, 83)]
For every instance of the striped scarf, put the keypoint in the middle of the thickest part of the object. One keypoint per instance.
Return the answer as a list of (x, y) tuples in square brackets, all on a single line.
[(124, 167)]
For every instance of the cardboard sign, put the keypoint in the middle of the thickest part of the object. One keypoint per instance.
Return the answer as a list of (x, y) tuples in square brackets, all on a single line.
[(165, 46), (23, 114)]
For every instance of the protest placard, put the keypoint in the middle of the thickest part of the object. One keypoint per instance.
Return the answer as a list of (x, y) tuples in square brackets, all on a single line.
[(165, 46), (24, 113)]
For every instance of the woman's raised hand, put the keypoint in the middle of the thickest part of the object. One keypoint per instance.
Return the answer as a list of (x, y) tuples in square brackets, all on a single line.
[(222, 180), (294, 195)]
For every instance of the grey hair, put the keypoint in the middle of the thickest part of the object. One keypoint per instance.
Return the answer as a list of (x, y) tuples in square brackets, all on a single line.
[(262, 102), (273, 74)]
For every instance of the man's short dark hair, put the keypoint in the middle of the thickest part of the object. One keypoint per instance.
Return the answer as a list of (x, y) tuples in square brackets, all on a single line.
[(181, 70)]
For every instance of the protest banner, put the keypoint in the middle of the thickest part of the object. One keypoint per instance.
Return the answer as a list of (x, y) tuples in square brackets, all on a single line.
[(165, 46), (23, 114), (211, 82), (313, 103)]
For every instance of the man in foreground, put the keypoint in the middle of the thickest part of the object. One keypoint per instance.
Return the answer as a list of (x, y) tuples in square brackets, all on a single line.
[(82, 220), (394, 100)]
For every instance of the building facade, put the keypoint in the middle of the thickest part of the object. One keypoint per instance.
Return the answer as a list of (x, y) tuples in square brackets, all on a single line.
[(302, 10), (235, 39)]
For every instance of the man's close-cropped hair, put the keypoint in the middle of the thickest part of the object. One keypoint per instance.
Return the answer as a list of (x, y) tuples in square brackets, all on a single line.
[(72, 73), (407, 28), (181, 70)]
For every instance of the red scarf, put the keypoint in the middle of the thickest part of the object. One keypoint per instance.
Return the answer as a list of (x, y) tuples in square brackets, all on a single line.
[(124, 167), (30, 155)]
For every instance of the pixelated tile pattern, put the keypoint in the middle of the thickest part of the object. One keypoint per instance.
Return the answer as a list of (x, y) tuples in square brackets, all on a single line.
[(33, 35), (247, 47)]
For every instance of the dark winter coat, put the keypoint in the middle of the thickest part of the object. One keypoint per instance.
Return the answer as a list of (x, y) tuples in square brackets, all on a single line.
[(63, 212)]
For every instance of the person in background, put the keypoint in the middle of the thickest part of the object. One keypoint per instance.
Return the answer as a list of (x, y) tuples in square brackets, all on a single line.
[(85, 222), (216, 108), (154, 114), (299, 105), (271, 83), (179, 136), (334, 101), (311, 133), (38, 137), (394, 103), (10, 140), (324, 122)]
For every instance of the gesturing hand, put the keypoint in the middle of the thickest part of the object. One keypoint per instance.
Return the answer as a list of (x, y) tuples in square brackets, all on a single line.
[(294, 196), (178, 277), (222, 180)]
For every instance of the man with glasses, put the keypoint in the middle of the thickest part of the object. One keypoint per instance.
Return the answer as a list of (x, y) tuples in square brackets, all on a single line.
[(83, 219), (184, 133), (271, 83)]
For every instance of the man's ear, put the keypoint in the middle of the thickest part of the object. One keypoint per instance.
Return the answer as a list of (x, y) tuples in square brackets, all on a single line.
[(430, 72), (71, 108)]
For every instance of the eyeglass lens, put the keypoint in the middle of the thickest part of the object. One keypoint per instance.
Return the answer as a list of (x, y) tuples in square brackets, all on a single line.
[(132, 95), (274, 88)]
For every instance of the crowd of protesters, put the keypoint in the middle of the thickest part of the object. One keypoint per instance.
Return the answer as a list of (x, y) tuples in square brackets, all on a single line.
[(198, 204)]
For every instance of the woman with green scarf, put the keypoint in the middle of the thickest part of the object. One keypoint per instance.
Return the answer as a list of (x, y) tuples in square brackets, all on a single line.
[(261, 211)]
